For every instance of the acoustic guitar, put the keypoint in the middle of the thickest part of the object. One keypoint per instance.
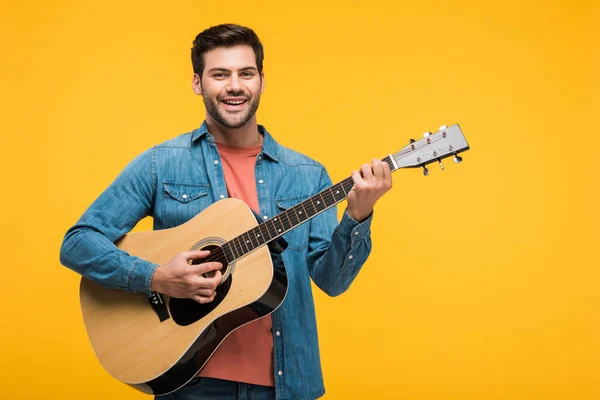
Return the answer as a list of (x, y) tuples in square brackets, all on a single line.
[(158, 344)]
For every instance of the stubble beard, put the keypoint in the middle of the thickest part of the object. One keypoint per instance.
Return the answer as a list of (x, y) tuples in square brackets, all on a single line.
[(227, 119)]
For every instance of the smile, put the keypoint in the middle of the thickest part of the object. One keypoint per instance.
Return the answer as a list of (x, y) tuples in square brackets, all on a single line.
[(234, 102)]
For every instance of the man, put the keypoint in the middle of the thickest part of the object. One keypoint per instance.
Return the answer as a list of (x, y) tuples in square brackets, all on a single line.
[(231, 156)]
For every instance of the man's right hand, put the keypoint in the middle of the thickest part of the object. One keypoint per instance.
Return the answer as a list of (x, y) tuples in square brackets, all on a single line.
[(180, 279)]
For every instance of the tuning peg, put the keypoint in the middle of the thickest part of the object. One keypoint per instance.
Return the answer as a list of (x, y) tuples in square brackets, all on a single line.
[(412, 140), (425, 170), (441, 164), (457, 158), (426, 134), (443, 127)]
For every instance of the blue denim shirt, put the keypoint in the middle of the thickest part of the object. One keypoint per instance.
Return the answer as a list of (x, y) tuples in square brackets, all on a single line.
[(174, 181)]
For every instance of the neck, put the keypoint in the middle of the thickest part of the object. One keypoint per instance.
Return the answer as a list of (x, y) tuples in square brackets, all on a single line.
[(244, 136)]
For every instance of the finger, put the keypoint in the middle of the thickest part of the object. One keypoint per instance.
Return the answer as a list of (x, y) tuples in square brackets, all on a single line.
[(358, 180), (205, 292), (210, 280), (203, 268), (218, 276), (387, 174), (378, 168), (195, 254), (203, 299), (367, 172)]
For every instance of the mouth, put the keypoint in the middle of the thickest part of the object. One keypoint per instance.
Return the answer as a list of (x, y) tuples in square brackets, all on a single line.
[(233, 103)]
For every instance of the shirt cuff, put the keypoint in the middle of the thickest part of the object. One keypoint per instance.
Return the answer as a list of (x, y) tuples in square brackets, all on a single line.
[(356, 230), (141, 277)]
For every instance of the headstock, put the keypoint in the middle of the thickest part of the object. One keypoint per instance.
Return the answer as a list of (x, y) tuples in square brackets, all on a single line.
[(447, 142)]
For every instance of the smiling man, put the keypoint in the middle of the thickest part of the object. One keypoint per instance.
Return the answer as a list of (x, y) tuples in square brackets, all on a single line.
[(230, 155)]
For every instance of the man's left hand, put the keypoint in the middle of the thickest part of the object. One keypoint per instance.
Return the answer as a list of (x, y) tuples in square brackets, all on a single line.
[(369, 185)]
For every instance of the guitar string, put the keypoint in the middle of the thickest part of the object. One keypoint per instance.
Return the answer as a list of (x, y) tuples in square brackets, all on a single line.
[(222, 258)]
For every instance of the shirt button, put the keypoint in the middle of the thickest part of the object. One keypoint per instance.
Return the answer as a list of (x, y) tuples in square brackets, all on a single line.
[(261, 181), (184, 196), (265, 217), (350, 257), (280, 373), (278, 333), (355, 233), (216, 162), (222, 196)]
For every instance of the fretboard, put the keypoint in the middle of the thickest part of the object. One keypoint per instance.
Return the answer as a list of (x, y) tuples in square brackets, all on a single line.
[(287, 220)]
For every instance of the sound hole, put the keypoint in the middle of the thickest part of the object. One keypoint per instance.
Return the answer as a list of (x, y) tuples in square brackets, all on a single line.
[(187, 311)]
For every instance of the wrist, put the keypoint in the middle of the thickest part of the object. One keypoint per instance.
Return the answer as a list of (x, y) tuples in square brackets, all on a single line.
[(156, 279), (359, 216)]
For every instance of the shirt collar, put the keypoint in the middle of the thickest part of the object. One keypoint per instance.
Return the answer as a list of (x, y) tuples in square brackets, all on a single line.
[(270, 147)]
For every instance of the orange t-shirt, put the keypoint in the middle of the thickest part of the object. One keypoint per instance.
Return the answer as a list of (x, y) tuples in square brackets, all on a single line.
[(246, 355)]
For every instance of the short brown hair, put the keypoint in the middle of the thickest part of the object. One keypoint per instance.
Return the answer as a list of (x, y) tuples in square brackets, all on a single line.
[(225, 35)]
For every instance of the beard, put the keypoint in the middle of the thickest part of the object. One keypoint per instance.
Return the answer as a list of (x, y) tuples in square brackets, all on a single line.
[(228, 119)]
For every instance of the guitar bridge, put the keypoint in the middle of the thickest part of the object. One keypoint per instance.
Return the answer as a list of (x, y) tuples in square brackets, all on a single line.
[(159, 306)]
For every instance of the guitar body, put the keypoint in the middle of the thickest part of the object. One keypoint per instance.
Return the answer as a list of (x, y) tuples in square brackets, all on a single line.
[(158, 352)]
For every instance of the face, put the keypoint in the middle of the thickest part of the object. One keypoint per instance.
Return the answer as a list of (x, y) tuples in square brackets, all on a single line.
[(230, 85)]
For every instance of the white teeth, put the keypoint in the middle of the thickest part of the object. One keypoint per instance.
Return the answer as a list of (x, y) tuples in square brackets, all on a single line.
[(234, 103)]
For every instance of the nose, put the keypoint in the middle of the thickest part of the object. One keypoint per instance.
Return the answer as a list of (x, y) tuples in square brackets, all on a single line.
[(234, 84)]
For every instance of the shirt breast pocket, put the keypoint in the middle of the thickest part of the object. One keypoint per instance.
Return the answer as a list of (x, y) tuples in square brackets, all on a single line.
[(297, 238), (182, 201)]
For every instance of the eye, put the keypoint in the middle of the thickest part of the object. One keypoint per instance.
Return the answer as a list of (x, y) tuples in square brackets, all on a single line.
[(219, 75), (247, 74)]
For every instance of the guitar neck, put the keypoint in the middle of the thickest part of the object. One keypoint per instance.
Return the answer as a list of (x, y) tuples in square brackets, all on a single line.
[(289, 219)]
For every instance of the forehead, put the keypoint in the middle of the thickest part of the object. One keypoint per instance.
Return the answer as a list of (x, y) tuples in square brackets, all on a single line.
[(231, 58)]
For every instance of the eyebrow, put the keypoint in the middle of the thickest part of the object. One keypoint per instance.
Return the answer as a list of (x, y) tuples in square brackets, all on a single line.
[(218, 69)]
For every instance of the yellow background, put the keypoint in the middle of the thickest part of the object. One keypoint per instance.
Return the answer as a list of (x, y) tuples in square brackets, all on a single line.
[(483, 282)]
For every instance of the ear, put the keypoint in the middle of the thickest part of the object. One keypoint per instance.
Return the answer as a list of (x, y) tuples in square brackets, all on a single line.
[(262, 82), (197, 84)]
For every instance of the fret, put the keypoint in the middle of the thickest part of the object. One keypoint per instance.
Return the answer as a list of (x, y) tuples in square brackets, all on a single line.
[(267, 234), (240, 244), (263, 238), (271, 227), (328, 199), (300, 213), (277, 220), (303, 205), (341, 185), (234, 249), (255, 241), (260, 238), (292, 213), (290, 225), (312, 203), (256, 237), (347, 185), (227, 252), (337, 193), (246, 241), (320, 202)]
